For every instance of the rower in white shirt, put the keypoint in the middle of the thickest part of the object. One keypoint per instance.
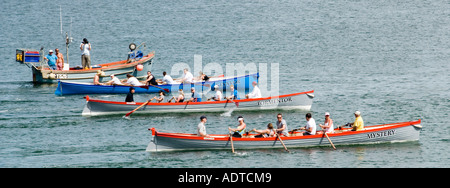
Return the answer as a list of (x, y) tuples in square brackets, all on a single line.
[(256, 93), (167, 78), (188, 77), (218, 95), (132, 81)]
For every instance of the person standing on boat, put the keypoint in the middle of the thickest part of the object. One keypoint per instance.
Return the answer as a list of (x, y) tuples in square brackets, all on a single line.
[(358, 125), (51, 59), (85, 48), (327, 126), (130, 95), (59, 60), (310, 128), (256, 93), (201, 129), (240, 130), (281, 126)]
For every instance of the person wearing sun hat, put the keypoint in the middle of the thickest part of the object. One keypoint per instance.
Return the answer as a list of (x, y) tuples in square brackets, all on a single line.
[(358, 125)]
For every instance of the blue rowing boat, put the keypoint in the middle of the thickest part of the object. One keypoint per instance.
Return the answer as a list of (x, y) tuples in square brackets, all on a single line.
[(72, 88)]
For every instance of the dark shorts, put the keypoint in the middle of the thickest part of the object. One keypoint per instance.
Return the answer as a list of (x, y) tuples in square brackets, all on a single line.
[(306, 133)]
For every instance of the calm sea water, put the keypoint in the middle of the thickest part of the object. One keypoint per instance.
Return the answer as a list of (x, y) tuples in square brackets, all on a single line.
[(387, 59)]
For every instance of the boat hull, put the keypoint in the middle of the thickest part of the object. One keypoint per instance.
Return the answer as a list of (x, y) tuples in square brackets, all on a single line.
[(120, 69), (70, 88), (301, 101), (396, 132)]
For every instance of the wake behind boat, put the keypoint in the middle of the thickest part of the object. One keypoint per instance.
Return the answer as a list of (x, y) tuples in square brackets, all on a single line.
[(301, 101), (395, 132), (72, 88)]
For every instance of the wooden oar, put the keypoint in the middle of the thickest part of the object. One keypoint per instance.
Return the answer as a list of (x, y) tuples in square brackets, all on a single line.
[(278, 136), (325, 133), (231, 140), (166, 90), (129, 113)]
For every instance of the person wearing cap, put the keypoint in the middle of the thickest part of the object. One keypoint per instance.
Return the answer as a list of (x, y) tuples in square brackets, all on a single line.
[(201, 129), (327, 126), (114, 80), (218, 95), (85, 48), (51, 59), (130, 95), (240, 130), (256, 93), (195, 97), (358, 125)]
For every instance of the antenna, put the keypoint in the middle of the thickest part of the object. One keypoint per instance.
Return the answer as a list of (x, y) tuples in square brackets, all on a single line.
[(60, 20)]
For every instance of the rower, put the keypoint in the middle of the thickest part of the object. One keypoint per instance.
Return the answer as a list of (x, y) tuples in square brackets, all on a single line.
[(234, 95), (160, 98), (358, 125), (195, 97), (240, 130), (269, 132), (256, 93), (218, 95)]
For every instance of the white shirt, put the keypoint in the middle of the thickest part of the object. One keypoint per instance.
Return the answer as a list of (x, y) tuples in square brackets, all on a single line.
[(116, 81), (311, 124), (134, 81), (256, 93), (188, 77), (331, 129), (201, 129), (168, 79), (85, 50), (218, 95)]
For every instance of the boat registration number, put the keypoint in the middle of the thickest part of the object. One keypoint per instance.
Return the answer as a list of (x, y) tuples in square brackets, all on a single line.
[(61, 76)]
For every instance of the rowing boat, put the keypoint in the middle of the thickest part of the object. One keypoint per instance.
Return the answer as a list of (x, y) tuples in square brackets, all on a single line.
[(301, 100), (394, 132), (72, 88), (43, 74)]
